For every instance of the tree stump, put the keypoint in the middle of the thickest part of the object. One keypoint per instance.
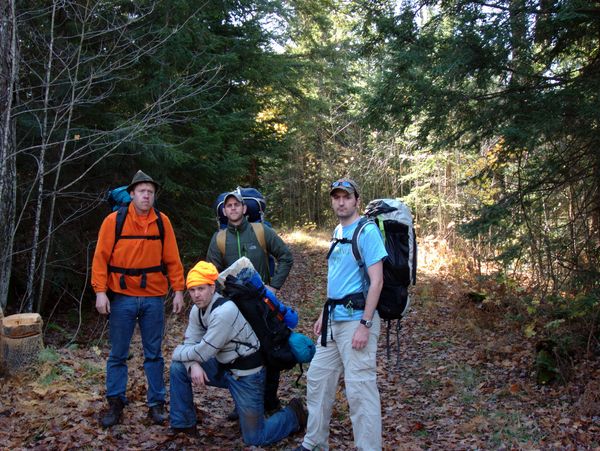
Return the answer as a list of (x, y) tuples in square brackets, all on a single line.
[(20, 341)]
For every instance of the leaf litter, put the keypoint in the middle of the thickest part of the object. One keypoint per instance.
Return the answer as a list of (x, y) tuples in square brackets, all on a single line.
[(462, 378)]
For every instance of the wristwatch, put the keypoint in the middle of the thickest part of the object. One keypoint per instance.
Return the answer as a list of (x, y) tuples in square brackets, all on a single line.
[(367, 323)]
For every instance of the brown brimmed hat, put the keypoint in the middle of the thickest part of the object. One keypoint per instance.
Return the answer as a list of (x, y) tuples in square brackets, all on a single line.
[(141, 177), (344, 184)]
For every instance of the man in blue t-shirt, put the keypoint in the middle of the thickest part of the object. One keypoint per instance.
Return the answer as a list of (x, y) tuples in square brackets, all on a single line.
[(349, 328)]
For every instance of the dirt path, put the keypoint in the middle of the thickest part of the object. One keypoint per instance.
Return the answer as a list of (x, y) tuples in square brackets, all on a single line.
[(464, 380)]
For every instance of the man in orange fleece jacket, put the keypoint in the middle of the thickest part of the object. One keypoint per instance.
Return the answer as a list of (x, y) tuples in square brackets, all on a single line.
[(135, 270)]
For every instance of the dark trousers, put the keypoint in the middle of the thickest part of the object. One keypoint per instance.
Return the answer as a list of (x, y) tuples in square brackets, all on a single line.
[(271, 386)]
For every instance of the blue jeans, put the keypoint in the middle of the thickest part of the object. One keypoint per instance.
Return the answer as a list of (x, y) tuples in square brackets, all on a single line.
[(248, 395), (149, 313)]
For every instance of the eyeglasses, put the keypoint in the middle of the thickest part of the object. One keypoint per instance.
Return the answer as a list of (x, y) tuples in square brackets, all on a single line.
[(343, 183)]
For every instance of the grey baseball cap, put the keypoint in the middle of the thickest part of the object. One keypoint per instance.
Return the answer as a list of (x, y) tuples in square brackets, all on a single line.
[(235, 193), (345, 184)]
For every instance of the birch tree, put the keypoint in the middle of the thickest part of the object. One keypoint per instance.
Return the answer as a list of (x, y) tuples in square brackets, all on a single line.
[(8, 82), (79, 54)]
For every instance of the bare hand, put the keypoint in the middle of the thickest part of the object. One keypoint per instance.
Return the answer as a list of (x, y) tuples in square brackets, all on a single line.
[(360, 337), (199, 377), (318, 324), (102, 303), (178, 302)]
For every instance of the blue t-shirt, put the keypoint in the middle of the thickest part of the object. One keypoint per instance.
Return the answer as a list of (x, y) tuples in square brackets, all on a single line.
[(344, 276)]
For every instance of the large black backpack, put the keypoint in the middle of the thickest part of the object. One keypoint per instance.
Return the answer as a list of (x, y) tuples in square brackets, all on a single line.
[(395, 221), (265, 320)]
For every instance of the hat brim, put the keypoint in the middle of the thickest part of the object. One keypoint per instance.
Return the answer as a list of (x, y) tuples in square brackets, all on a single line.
[(342, 188), (131, 187), (236, 196)]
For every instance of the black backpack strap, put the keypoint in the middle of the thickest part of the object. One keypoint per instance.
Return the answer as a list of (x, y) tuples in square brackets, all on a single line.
[(219, 302), (136, 272), (362, 223), (121, 215), (161, 226), (120, 222), (334, 242)]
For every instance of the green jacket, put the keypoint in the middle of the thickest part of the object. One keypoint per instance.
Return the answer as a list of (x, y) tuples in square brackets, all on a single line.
[(241, 241)]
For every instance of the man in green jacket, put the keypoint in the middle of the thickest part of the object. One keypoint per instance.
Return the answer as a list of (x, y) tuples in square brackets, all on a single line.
[(241, 240)]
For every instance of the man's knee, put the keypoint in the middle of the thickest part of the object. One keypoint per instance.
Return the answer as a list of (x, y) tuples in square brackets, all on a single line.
[(178, 371)]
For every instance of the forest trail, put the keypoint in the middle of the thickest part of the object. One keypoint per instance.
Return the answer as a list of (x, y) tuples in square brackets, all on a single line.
[(464, 380)]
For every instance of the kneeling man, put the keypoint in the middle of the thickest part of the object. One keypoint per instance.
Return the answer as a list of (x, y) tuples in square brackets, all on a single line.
[(221, 349)]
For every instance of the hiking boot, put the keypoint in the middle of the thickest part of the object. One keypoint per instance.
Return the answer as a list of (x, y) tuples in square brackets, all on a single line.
[(298, 408), (113, 416), (157, 413), (233, 415), (191, 431)]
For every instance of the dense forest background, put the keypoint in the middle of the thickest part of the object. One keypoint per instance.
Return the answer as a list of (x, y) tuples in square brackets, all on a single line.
[(482, 115)]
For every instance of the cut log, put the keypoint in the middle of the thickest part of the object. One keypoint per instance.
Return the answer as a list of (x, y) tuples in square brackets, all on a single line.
[(22, 325), (20, 341)]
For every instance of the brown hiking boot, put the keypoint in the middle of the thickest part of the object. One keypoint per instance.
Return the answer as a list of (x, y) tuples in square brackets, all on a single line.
[(157, 413), (298, 408), (113, 415)]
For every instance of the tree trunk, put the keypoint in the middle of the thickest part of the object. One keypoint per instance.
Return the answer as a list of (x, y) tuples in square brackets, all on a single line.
[(51, 209), (45, 138), (8, 175)]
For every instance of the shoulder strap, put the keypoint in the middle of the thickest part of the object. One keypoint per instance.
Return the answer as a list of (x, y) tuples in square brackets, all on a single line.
[(121, 215), (335, 241), (259, 231), (219, 302), (221, 238), (160, 225), (362, 223)]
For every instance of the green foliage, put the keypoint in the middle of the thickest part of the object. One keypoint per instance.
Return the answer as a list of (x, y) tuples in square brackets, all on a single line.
[(177, 88), (515, 87), (48, 355)]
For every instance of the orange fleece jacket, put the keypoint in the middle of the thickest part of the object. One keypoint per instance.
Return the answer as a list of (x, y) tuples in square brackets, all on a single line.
[(134, 253)]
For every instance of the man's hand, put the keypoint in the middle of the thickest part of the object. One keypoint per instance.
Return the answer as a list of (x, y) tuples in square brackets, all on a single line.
[(360, 337), (199, 377), (318, 324), (178, 302), (102, 303)]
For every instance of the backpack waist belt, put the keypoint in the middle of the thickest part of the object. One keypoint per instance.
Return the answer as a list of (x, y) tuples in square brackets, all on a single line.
[(136, 272), (355, 301), (246, 362)]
